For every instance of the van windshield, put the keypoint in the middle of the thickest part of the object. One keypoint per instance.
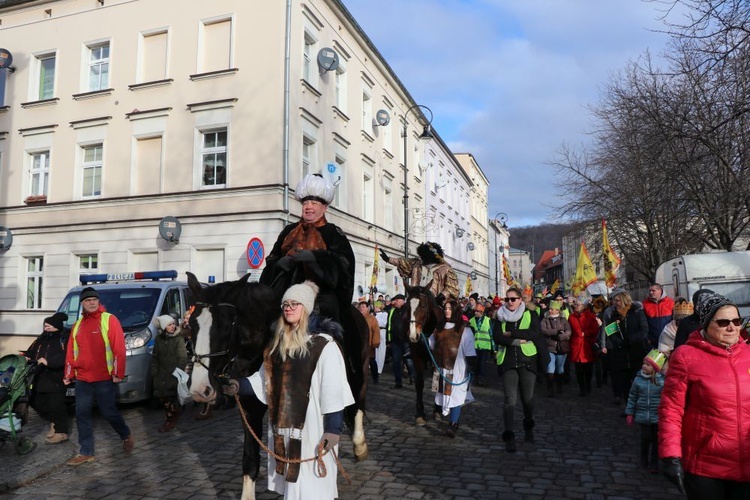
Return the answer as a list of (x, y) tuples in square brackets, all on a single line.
[(737, 292), (134, 307)]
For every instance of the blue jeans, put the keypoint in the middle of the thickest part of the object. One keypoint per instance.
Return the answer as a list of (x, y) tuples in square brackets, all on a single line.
[(398, 350), (556, 363), (104, 393)]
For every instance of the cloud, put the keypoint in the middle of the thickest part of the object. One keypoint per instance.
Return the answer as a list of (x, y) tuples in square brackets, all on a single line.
[(509, 81)]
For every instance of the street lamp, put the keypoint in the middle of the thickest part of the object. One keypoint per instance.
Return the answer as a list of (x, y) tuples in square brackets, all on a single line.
[(426, 135)]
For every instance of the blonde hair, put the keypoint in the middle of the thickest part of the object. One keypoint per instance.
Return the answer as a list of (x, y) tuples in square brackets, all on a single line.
[(292, 340), (627, 300)]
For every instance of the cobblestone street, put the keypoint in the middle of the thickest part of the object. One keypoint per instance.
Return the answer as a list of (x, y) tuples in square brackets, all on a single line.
[(583, 450)]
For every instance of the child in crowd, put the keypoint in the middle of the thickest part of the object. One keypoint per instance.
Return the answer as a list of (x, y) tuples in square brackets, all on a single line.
[(643, 407), (169, 353)]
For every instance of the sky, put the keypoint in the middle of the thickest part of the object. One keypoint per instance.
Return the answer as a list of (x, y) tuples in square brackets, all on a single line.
[(511, 81)]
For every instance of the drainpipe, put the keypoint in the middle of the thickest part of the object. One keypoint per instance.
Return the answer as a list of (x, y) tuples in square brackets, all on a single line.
[(287, 70)]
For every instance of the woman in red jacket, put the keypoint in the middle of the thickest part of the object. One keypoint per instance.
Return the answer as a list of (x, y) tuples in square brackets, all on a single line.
[(704, 416), (585, 327)]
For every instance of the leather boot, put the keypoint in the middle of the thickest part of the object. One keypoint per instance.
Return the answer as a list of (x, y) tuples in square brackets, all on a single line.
[(559, 383), (550, 385), (528, 429), (510, 441)]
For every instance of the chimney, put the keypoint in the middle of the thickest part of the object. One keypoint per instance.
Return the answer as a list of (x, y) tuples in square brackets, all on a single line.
[(557, 251)]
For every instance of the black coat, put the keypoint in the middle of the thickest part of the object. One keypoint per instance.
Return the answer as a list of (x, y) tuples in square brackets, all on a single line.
[(50, 346), (627, 348)]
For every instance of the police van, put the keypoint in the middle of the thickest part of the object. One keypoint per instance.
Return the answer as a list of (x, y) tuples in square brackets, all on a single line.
[(136, 299)]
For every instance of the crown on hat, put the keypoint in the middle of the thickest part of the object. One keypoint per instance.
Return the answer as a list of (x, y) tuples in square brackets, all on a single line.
[(683, 309), (656, 359)]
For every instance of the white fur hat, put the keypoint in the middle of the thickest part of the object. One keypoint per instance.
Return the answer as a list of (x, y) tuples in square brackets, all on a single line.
[(164, 321), (304, 293), (314, 186)]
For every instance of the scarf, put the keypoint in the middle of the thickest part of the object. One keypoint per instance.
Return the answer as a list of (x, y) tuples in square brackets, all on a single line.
[(304, 237), (504, 314)]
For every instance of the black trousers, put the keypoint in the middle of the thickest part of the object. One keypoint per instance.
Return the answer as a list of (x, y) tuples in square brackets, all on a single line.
[(649, 445), (584, 372), (519, 380), (703, 488), (51, 407)]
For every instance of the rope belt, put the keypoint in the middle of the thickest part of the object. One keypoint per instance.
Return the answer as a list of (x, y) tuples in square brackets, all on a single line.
[(320, 452)]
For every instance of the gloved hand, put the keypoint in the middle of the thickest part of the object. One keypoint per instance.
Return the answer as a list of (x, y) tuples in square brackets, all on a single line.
[(329, 440), (232, 388), (285, 263), (630, 419), (383, 255), (672, 468), (304, 256)]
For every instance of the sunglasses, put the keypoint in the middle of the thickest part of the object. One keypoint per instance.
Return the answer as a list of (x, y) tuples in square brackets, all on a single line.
[(292, 306), (723, 323), (512, 299)]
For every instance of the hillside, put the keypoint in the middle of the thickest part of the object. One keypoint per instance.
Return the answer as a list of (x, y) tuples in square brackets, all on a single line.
[(542, 237)]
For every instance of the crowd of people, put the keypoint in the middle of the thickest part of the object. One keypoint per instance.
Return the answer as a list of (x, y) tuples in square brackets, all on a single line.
[(681, 367)]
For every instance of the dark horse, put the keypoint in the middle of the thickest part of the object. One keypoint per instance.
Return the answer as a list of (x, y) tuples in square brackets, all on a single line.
[(232, 323), (423, 315)]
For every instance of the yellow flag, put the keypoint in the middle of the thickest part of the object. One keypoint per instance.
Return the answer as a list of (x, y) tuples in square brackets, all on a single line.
[(555, 286), (611, 260), (468, 286), (585, 274), (375, 269), (506, 272)]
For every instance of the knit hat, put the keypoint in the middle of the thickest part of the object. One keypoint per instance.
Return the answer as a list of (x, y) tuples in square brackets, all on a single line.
[(497, 301), (304, 293), (314, 187), (682, 310), (89, 292), (708, 304), (164, 321), (656, 359), (57, 320)]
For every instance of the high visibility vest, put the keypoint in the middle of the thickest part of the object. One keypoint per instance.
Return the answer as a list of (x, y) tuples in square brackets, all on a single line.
[(104, 323), (388, 326), (482, 333), (528, 349)]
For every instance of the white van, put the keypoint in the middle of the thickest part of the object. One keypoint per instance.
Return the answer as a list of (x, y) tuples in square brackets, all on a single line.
[(136, 299), (726, 273)]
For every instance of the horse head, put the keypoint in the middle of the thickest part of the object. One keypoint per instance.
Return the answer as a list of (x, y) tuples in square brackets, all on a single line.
[(230, 325), (424, 312)]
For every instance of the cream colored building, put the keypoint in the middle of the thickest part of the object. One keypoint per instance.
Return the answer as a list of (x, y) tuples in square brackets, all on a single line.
[(479, 230), (118, 113)]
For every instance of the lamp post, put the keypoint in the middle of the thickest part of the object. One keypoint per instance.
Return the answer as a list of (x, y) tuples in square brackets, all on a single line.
[(500, 219), (426, 135)]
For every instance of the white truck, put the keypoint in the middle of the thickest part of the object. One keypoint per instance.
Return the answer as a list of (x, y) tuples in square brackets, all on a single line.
[(726, 273)]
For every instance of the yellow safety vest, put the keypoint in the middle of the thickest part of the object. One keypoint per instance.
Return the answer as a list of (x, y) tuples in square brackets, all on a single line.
[(528, 349), (107, 347), (482, 335)]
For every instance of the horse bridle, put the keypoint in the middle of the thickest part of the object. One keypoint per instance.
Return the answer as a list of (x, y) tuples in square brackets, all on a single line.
[(222, 377)]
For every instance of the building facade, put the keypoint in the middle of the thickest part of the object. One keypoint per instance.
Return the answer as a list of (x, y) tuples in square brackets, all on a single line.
[(119, 113), (479, 244)]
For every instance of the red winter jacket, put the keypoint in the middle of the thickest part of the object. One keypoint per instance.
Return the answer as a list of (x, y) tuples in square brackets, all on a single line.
[(91, 364), (704, 416), (585, 331)]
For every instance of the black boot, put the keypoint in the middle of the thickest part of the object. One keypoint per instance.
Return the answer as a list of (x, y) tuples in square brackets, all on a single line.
[(450, 431), (559, 383), (550, 385), (510, 441), (528, 430)]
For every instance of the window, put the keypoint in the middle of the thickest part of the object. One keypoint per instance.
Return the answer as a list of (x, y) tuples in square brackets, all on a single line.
[(46, 87), (309, 152), (368, 197), (92, 170), (388, 203), (339, 197), (214, 157), (309, 54), (98, 67), (148, 170), (39, 173), (341, 88), (88, 263), (34, 275), (215, 45), (3, 77), (153, 57), (366, 110), (387, 133)]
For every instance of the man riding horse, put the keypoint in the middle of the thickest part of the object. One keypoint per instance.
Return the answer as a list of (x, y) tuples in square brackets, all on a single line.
[(314, 249), (439, 277)]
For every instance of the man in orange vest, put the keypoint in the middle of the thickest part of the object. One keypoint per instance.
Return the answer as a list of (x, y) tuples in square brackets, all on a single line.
[(96, 361)]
